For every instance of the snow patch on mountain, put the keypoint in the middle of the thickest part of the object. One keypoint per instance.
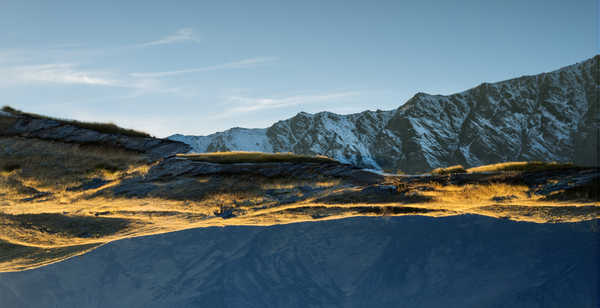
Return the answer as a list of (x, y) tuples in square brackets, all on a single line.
[(237, 138), (550, 117)]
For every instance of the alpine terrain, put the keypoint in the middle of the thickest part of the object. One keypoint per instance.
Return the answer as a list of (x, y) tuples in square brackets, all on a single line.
[(95, 215), (548, 117)]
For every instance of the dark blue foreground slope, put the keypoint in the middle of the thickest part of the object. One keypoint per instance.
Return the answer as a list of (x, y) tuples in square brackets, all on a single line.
[(412, 261)]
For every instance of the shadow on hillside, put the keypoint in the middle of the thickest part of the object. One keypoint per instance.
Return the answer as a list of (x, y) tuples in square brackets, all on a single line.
[(70, 226)]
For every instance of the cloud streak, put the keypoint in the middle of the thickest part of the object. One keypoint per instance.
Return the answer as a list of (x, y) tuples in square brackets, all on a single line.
[(182, 35), (57, 73), (64, 73), (71, 74), (249, 104), (245, 63)]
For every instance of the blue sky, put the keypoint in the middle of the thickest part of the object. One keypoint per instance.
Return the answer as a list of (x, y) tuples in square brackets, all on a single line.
[(197, 67)]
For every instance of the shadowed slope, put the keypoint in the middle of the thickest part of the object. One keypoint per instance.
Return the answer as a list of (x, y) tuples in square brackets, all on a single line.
[(460, 261)]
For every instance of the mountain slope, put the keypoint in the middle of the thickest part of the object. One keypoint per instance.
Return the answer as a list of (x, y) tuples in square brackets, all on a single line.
[(412, 261), (550, 117), (68, 187)]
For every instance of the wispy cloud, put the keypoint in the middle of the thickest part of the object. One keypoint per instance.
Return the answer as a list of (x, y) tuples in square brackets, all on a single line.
[(58, 73), (245, 63), (182, 35), (72, 74), (249, 104)]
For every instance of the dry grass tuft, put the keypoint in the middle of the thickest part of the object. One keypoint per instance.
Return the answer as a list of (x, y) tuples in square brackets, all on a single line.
[(477, 194), (50, 229), (108, 128), (522, 166), (449, 170), (256, 157), (15, 257), (54, 165)]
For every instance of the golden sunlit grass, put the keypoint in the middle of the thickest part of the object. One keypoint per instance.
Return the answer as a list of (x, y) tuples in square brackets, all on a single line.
[(467, 196), (292, 183), (15, 257), (43, 219), (255, 157), (54, 165), (523, 166), (479, 194), (519, 166), (449, 170)]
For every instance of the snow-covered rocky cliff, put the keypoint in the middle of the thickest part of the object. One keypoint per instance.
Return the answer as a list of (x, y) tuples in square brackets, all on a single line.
[(550, 117)]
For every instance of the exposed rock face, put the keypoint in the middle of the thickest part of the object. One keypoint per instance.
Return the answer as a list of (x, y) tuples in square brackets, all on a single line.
[(410, 261), (550, 117), (48, 129), (173, 167)]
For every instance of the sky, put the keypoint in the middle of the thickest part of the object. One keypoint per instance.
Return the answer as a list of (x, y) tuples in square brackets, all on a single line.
[(198, 67)]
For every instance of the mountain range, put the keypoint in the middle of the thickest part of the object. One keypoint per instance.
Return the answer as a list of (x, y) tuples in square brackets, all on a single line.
[(551, 116)]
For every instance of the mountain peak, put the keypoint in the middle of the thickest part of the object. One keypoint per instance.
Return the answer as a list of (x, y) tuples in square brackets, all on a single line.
[(547, 117)]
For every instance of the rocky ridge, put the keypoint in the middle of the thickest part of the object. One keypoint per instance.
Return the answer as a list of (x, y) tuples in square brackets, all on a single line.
[(551, 116), (173, 167), (26, 126)]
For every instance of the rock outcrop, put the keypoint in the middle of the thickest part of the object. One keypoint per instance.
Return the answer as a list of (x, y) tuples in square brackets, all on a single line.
[(26, 126), (172, 167)]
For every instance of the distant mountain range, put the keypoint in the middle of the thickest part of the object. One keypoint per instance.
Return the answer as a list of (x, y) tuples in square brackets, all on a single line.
[(549, 117)]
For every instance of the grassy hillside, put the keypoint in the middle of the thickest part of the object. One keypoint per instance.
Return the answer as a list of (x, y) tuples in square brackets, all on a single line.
[(449, 170), (516, 166), (62, 199), (522, 166), (108, 128)]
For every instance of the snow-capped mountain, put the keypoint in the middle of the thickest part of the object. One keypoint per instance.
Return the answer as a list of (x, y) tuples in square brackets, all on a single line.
[(550, 117), (237, 138)]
